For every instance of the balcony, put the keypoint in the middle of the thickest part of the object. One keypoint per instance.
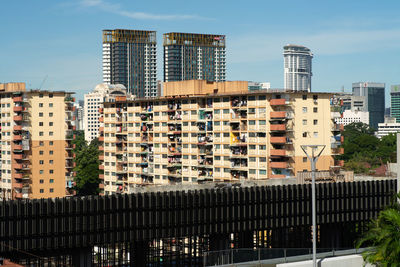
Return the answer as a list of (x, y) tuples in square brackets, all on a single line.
[(278, 140), (278, 102), (101, 176), (17, 185), (338, 151), (101, 129), (101, 186), (17, 166), (277, 176), (17, 118), (18, 195), (278, 165), (17, 137), (101, 157), (101, 138), (101, 167), (17, 147), (17, 99), (101, 148), (18, 175), (278, 114), (100, 110), (18, 108), (18, 156), (277, 152), (101, 119), (69, 99), (278, 127), (17, 127)]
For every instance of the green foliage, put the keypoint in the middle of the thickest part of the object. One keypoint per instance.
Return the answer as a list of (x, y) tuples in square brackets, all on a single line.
[(383, 238), (363, 150), (87, 165)]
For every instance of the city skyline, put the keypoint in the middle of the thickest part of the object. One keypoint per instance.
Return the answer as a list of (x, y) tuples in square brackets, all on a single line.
[(63, 40)]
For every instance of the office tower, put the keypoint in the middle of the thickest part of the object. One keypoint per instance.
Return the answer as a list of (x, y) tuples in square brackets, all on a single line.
[(395, 102), (79, 115), (297, 68), (129, 58), (191, 56), (374, 94), (92, 102), (213, 131), (36, 149)]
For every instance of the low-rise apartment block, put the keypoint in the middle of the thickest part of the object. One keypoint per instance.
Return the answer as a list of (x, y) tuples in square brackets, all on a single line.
[(213, 131), (36, 149)]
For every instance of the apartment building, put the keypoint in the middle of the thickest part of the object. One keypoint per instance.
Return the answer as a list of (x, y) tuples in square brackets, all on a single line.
[(92, 102), (36, 149), (213, 131), (194, 56)]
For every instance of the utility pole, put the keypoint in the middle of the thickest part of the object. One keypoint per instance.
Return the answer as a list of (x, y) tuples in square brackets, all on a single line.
[(313, 158)]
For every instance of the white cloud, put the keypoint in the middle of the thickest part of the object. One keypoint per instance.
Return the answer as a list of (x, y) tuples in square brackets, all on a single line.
[(117, 9), (256, 48)]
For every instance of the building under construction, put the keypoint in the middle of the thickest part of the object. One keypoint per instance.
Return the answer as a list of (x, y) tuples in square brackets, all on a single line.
[(129, 58), (192, 56)]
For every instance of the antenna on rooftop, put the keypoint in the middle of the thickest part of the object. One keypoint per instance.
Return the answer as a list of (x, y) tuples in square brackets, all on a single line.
[(45, 78), (342, 88)]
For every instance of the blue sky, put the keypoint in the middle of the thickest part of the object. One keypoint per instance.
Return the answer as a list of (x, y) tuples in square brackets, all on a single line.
[(351, 40)]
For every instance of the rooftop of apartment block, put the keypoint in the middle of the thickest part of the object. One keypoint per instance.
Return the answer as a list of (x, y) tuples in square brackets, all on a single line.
[(202, 88), (19, 87)]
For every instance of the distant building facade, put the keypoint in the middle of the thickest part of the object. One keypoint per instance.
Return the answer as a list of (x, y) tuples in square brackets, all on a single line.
[(297, 67), (93, 102), (259, 86), (390, 126), (374, 94), (192, 56), (36, 143), (350, 116), (395, 102), (129, 58)]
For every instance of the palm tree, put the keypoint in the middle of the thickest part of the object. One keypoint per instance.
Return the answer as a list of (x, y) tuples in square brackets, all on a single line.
[(383, 238)]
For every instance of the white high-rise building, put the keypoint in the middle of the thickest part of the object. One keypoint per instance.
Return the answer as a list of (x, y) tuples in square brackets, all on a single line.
[(297, 67), (129, 58), (94, 101)]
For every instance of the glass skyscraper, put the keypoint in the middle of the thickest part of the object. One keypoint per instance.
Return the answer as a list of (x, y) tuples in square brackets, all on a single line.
[(191, 56), (395, 102), (129, 58), (375, 100), (297, 67)]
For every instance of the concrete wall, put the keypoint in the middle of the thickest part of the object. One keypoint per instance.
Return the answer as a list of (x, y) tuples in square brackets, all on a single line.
[(343, 261)]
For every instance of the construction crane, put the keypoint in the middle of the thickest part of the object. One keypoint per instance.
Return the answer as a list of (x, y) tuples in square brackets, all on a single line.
[(44, 80)]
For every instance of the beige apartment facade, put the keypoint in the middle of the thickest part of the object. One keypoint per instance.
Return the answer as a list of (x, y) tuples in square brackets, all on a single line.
[(202, 131), (36, 149)]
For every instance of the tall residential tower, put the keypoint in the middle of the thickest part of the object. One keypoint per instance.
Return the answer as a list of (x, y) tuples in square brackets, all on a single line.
[(129, 58), (191, 56), (297, 67)]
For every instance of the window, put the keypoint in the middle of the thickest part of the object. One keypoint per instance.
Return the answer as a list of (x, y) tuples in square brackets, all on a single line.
[(51, 161), (226, 111), (40, 105), (262, 147), (50, 95), (41, 162), (304, 97), (41, 190), (304, 122), (51, 152), (40, 133), (41, 152), (51, 171), (304, 134), (41, 95), (304, 159), (262, 172), (262, 122), (252, 159), (51, 123), (304, 109), (50, 105), (41, 181), (315, 122), (51, 114), (40, 123), (315, 97), (315, 134), (51, 190), (41, 143), (252, 171), (51, 133), (51, 181), (315, 110), (252, 122), (50, 143), (217, 111), (263, 159), (40, 114), (41, 171)]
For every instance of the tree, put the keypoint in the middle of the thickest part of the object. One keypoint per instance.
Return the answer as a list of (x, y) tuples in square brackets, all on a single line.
[(383, 238), (87, 166)]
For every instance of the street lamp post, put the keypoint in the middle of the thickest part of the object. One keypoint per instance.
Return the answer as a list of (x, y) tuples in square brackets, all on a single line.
[(313, 158)]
